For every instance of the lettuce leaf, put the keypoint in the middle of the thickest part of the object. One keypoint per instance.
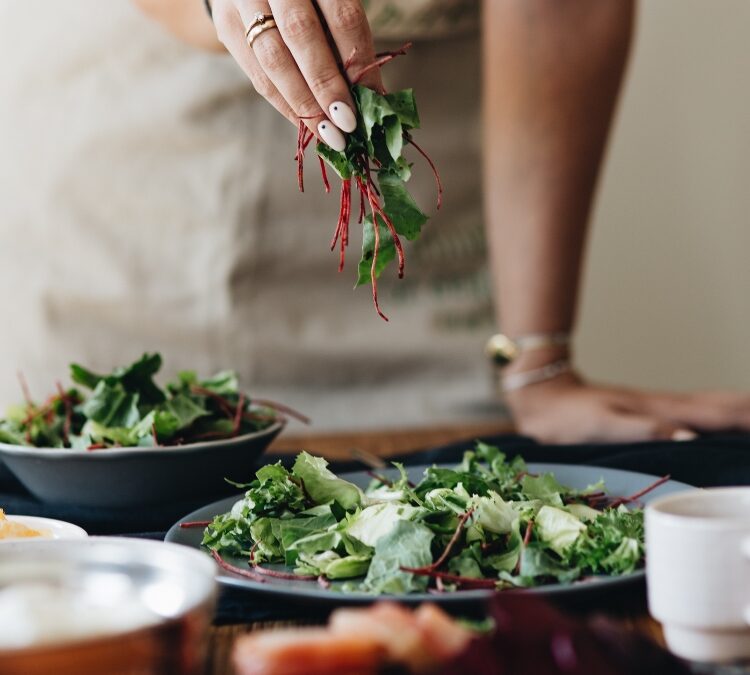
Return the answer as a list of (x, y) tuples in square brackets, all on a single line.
[(408, 544), (323, 485)]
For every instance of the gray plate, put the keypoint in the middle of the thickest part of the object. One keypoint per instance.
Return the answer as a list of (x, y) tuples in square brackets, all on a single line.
[(617, 483), (129, 477)]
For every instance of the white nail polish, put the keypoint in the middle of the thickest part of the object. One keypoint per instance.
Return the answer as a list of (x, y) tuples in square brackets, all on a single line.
[(684, 435), (342, 116), (331, 135)]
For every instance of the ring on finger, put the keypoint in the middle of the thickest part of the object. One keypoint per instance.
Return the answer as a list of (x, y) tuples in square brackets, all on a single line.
[(261, 22)]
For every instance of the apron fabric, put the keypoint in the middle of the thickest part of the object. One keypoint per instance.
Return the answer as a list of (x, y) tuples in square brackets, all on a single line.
[(148, 202)]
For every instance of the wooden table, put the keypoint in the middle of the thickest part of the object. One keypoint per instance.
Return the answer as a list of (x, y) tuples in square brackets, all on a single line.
[(338, 446)]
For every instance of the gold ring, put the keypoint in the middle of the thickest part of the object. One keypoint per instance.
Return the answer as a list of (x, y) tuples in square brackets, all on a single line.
[(257, 30), (259, 19)]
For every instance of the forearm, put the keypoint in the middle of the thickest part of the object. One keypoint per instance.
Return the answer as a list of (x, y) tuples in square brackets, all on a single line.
[(552, 72), (186, 19)]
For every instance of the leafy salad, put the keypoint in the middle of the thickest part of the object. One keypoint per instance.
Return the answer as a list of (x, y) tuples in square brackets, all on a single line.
[(373, 164), (127, 408), (488, 523)]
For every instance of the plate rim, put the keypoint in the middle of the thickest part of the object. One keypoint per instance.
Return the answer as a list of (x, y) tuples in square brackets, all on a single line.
[(21, 451), (76, 531), (317, 595)]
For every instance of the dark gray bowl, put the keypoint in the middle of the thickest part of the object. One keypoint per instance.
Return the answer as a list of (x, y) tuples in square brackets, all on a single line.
[(124, 477)]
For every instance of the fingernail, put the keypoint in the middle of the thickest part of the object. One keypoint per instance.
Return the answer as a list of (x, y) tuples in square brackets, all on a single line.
[(684, 435), (331, 136), (342, 116)]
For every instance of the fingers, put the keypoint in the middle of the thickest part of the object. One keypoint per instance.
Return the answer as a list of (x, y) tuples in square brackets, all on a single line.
[(350, 30), (293, 64), (619, 427), (278, 64), (708, 411), (231, 32), (303, 33)]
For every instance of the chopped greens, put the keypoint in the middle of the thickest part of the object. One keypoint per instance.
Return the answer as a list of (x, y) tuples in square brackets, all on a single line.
[(488, 523), (127, 408)]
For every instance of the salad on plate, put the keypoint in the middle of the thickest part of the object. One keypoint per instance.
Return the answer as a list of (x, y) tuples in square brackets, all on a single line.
[(488, 523)]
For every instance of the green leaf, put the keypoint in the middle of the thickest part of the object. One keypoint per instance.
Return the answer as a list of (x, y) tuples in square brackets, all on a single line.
[(386, 251), (394, 137), (557, 528), (494, 514), (323, 485), (84, 376), (374, 522), (111, 406), (373, 108), (545, 488), (407, 220), (99, 433), (536, 563), (134, 379), (400, 207), (338, 161), (405, 106), (294, 529), (408, 544), (613, 542), (332, 565), (223, 383), (11, 437), (137, 378), (184, 410)]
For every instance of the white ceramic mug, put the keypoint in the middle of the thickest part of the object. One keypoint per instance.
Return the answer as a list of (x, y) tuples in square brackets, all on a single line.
[(698, 572)]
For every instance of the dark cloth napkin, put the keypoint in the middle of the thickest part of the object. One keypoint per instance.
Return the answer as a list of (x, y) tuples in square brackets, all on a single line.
[(707, 461)]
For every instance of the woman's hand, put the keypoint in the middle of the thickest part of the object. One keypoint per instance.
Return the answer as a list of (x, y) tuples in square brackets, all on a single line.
[(569, 410), (294, 67)]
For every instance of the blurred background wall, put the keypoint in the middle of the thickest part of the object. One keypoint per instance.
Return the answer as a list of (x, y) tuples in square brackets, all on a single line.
[(667, 285)]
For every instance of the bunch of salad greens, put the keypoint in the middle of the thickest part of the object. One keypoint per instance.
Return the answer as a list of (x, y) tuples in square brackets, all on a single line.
[(487, 523), (127, 408), (373, 163)]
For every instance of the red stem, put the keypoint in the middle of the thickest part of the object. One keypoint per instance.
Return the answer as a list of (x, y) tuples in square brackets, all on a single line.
[(382, 479), (301, 137), (373, 267), (461, 522), (323, 582), (361, 204), (454, 578), (238, 415), (378, 210), (527, 534), (25, 389), (526, 540), (195, 524), (639, 494), (68, 413), (223, 403), (283, 575), (350, 60), (324, 174), (435, 172), (381, 60), (155, 437), (232, 568), (266, 403)]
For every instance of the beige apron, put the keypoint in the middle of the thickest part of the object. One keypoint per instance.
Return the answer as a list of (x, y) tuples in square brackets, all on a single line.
[(148, 202)]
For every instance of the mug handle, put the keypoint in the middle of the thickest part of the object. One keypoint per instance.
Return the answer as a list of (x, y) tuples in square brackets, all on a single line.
[(745, 548)]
